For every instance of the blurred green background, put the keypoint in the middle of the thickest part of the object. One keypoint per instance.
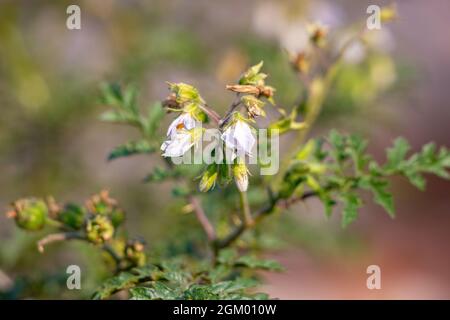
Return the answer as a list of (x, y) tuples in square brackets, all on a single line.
[(52, 143)]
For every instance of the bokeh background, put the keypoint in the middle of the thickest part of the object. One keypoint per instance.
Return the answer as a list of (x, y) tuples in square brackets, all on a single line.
[(52, 143)]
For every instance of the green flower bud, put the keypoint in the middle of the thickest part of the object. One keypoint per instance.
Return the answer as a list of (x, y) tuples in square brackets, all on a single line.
[(103, 204), (30, 214), (185, 93), (99, 229), (209, 178), (72, 215), (134, 252)]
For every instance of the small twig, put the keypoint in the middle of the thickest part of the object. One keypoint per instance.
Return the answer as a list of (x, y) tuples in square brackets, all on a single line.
[(260, 214), (211, 113), (232, 108), (54, 237), (202, 218)]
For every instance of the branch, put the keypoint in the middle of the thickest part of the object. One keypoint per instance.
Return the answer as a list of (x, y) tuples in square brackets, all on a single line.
[(54, 237), (202, 218), (259, 215), (211, 113), (232, 108)]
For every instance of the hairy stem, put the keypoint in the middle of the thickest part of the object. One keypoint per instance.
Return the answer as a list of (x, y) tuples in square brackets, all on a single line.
[(55, 237)]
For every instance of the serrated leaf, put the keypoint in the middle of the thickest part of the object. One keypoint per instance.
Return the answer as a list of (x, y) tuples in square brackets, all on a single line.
[(382, 197), (416, 179), (111, 94), (123, 280), (143, 293), (352, 202), (397, 153)]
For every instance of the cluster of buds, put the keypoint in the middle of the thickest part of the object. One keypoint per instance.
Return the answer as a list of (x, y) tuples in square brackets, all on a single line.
[(30, 214), (99, 229), (252, 84), (102, 204)]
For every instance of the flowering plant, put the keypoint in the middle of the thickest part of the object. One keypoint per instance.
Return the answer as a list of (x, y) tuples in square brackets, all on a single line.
[(334, 168)]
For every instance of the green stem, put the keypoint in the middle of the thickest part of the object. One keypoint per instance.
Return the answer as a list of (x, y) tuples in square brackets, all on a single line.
[(248, 219)]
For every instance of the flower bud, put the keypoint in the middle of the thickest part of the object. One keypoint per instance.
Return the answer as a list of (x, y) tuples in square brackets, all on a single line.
[(99, 229), (253, 105), (240, 173), (209, 178), (103, 204), (317, 34), (72, 216), (185, 93), (134, 252), (30, 214)]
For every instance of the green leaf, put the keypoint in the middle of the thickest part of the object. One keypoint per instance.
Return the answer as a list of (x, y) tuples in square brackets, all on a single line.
[(227, 256), (416, 179), (382, 197), (130, 99), (179, 191), (131, 148), (256, 263), (111, 94), (124, 280), (160, 174), (143, 293), (153, 121), (352, 202), (397, 153)]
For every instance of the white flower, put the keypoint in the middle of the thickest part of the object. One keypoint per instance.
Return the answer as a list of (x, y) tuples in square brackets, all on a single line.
[(239, 137), (180, 142), (184, 121)]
